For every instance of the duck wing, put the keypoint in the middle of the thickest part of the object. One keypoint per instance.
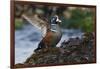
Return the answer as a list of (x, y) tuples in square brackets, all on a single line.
[(37, 22)]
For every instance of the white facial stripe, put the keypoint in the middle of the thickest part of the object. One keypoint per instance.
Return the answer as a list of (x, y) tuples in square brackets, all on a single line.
[(58, 20)]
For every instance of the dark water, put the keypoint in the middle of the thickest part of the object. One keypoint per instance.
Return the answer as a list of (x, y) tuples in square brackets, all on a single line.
[(27, 39)]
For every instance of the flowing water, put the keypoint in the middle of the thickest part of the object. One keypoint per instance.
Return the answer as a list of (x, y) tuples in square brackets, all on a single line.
[(27, 39)]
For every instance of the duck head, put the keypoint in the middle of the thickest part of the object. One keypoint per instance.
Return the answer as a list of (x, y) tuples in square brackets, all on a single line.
[(55, 20)]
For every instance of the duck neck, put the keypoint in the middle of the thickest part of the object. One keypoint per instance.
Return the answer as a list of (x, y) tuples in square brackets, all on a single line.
[(55, 28)]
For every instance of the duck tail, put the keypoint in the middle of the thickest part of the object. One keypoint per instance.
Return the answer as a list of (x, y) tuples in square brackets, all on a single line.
[(40, 46)]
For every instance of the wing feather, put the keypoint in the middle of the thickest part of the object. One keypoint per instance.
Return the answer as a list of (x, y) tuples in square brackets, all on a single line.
[(37, 22)]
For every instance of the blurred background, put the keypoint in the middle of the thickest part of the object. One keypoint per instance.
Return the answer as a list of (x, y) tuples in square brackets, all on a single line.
[(75, 22)]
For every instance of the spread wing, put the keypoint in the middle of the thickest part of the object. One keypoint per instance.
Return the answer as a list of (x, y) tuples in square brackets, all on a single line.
[(37, 22)]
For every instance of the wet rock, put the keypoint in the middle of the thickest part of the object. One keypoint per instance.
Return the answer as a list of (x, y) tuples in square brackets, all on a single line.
[(45, 56), (75, 50)]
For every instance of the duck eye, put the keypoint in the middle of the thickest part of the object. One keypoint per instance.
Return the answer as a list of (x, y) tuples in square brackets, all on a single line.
[(53, 18)]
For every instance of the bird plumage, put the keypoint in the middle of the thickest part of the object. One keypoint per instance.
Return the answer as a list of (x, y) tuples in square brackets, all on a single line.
[(51, 31), (37, 22)]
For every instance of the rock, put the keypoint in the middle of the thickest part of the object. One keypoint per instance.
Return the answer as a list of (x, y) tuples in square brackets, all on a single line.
[(75, 50), (45, 56)]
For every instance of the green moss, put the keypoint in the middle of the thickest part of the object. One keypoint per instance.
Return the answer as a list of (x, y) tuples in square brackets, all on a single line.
[(18, 23), (80, 19)]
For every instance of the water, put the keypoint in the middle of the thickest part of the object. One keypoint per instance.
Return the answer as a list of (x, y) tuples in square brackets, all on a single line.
[(27, 39)]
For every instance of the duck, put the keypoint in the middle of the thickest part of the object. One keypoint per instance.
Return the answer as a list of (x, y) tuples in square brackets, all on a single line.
[(51, 30)]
